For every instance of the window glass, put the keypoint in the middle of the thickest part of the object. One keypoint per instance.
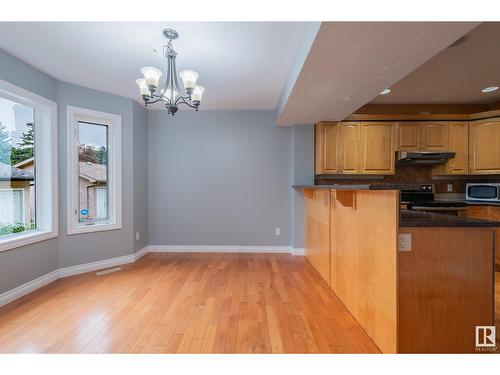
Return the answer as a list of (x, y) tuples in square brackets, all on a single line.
[(17, 168), (93, 173)]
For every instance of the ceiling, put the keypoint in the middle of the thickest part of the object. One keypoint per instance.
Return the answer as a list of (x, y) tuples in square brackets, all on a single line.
[(350, 63), (242, 65), (455, 75)]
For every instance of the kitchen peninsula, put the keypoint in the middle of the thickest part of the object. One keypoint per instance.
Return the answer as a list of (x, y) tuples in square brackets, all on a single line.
[(416, 282)]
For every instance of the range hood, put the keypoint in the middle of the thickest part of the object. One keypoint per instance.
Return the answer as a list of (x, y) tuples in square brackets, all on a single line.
[(423, 157)]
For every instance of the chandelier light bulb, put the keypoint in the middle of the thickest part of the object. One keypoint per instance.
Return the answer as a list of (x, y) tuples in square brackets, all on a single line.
[(151, 75), (189, 78), (167, 94), (143, 87), (197, 93)]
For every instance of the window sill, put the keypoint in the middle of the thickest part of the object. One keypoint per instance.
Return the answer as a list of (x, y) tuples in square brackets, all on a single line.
[(25, 239), (93, 228)]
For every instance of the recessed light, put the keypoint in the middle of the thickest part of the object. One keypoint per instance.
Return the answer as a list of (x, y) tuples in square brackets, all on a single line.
[(490, 89), (385, 92)]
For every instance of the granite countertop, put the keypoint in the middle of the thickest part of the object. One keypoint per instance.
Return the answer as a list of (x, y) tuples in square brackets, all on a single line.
[(470, 203), (428, 219), (346, 187)]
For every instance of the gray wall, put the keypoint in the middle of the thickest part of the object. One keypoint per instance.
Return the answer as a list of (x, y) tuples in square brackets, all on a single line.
[(89, 247), (302, 174), (206, 178), (24, 264), (140, 144), (218, 178), (21, 265)]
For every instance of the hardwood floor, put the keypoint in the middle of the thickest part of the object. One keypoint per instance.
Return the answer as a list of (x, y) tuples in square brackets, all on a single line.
[(187, 303)]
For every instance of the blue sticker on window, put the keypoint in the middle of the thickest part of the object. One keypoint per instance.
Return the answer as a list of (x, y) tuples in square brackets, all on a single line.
[(84, 211)]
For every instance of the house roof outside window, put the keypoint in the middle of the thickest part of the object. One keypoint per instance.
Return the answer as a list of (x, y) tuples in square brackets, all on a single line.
[(10, 173)]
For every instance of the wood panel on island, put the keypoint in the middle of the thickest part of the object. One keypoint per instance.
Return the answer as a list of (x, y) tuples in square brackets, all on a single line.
[(425, 299), (368, 147)]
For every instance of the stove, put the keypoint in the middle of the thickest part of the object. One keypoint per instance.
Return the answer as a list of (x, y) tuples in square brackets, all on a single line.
[(420, 197)]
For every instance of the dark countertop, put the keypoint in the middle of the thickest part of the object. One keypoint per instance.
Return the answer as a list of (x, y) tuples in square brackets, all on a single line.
[(470, 203), (346, 187), (428, 219)]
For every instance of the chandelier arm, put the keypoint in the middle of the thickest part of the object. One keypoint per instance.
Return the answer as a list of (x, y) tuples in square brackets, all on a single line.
[(182, 100)]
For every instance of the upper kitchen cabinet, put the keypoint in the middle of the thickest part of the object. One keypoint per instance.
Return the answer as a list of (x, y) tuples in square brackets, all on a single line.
[(355, 148), (327, 137), (349, 148), (484, 146), (377, 148), (458, 142), (422, 136), (434, 136), (408, 136)]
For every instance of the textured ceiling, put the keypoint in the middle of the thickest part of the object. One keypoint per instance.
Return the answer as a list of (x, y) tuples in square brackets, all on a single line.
[(350, 63), (242, 65), (455, 75)]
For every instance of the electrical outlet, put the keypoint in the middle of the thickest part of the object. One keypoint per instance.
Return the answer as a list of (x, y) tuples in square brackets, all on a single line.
[(277, 232), (404, 242), (137, 236), (449, 188)]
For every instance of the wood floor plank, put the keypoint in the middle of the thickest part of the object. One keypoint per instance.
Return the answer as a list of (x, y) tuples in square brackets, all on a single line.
[(186, 303)]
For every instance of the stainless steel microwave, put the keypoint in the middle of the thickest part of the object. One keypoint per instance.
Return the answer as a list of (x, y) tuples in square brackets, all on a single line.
[(488, 192)]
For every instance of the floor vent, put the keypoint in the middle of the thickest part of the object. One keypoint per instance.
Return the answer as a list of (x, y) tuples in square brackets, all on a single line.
[(109, 270)]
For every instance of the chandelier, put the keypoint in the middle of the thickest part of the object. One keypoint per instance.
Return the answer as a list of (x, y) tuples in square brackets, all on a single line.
[(171, 93)]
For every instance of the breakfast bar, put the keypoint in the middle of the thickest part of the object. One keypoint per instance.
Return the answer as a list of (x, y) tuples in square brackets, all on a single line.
[(417, 282)]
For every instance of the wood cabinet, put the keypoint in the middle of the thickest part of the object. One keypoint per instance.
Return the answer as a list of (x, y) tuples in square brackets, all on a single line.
[(484, 146), (327, 137), (408, 136), (434, 136), (458, 142), (376, 148), (423, 136), (349, 148), (354, 148), (317, 230)]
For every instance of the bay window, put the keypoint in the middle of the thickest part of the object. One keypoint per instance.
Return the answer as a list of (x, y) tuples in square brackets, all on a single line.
[(28, 167)]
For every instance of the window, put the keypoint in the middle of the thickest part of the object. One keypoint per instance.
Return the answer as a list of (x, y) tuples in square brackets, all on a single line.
[(94, 171), (28, 167)]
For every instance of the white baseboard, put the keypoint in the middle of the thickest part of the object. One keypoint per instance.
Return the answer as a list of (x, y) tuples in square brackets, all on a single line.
[(218, 249), (27, 288), (94, 266), (299, 251), (33, 285)]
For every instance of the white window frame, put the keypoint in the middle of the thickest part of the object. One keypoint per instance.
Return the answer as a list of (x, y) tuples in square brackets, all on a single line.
[(46, 174), (22, 198), (113, 122)]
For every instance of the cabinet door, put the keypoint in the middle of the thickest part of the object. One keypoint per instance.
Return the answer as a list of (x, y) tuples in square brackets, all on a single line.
[(349, 147), (376, 148), (459, 143), (326, 143), (408, 136), (484, 146), (434, 136)]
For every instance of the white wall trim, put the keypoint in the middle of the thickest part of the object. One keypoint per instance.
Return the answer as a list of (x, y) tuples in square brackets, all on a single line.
[(94, 266), (27, 288), (33, 285), (219, 249), (298, 251)]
